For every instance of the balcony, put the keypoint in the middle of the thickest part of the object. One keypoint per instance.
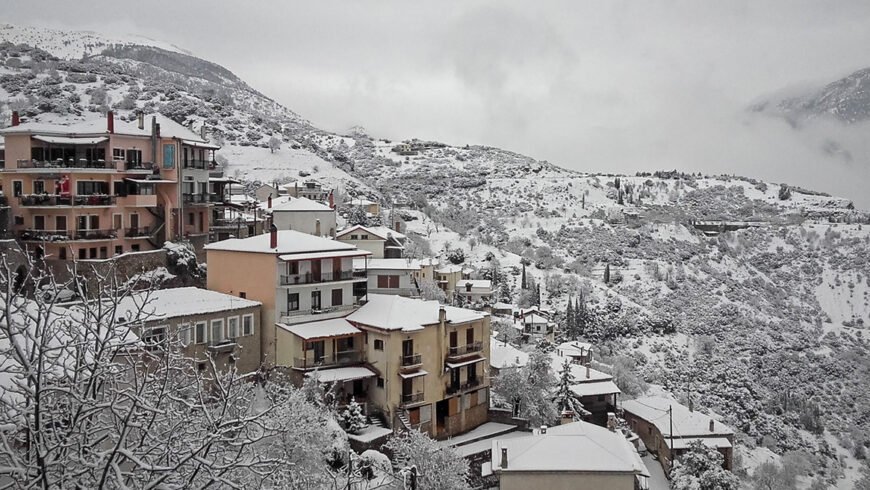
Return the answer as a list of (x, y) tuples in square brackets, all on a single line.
[(198, 164), (95, 234), (223, 345), (464, 350), (227, 223), (144, 166), (140, 232), (310, 278), (297, 316), (406, 292), (65, 235), (81, 163), (195, 198), (334, 359), (138, 200), (410, 361), (51, 200), (453, 388), (409, 399)]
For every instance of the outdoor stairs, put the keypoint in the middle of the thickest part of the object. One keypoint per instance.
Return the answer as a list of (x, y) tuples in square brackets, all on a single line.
[(403, 417), (377, 421)]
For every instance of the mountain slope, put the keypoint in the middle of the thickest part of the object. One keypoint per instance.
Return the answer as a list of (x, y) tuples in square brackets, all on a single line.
[(846, 100)]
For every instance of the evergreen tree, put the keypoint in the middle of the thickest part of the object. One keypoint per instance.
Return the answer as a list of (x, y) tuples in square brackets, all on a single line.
[(620, 200), (538, 295), (616, 183), (566, 400), (523, 283), (570, 322), (607, 274), (583, 202), (352, 419)]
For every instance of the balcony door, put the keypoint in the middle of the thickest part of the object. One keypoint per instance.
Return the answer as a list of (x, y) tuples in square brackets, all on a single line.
[(315, 270), (407, 387), (134, 221), (336, 269), (454, 379), (407, 348), (469, 336), (315, 300), (454, 340)]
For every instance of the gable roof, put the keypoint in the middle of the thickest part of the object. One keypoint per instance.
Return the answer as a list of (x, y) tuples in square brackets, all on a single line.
[(502, 355), (178, 302), (381, 232), (302, 204), (390, 312), (687, 423), (573, 447), (289, 242), (99, 126)]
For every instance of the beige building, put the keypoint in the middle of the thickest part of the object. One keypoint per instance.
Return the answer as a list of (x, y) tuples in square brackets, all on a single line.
[(199, 322), (303, 214), (309, 189), (382, 242), (392, 276), (474, 291), (568, 457), (297, 277)]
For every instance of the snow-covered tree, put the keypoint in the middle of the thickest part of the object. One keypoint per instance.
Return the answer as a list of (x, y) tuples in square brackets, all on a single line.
[(352, 418), (566, 400), (357, 216), (274, 144), (700, 468), (430, 291), (437, 467), (529, 390)]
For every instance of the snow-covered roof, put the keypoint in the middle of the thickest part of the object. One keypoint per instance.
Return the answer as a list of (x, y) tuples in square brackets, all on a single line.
[(684, 442), (533, 309), (573, 447), (390, 312), (324, 328), (476, 284), (289, 242), (582, 373), (99, 126), (595, 388), (502, 355), (300, 204), (687, 423), (342, 374), (449, 269), (534, 319), (276, 201), (387, 264), (380, 232), (574, 348), (334, 254), (163, 304), (502, 306)]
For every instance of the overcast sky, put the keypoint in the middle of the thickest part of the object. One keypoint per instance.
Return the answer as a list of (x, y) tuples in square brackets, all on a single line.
[(599, 86)]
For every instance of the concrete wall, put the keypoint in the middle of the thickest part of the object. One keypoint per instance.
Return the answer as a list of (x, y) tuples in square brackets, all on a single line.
[(376, 247), (524, 480), (305, 221)]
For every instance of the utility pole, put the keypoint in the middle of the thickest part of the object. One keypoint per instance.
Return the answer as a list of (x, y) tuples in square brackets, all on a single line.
[(671, 421)]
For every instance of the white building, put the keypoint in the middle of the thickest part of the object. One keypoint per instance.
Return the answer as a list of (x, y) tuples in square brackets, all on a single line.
[(474, 290), (303, 214), (382, 242), (391, 276)]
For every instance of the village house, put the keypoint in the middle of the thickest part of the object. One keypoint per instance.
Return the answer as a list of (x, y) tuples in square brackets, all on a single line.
[(382, 242), (651, 418), (233, 215), (297, 277), (534, 324), (567, 457), (502, 309), (199, 322), (578, 352), (265, 191), (391, 276), (448, 276), (103, 187), (309, 189), (371, 208), (474, 291), (503, 355), (305, 215), (596, 390)]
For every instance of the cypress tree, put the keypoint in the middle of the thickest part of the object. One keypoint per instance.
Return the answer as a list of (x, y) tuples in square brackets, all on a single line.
[(607, 274), (570, 323), (523, 283)]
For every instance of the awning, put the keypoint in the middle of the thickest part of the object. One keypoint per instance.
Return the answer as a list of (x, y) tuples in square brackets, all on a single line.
[(342, 374), (150, 181), (60, 140), (415, 374), (324, 255), (596, 388), (200, 144), (454, 365)]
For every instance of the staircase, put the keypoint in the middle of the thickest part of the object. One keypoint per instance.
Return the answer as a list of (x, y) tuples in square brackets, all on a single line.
[(377, 420), (402, 415)]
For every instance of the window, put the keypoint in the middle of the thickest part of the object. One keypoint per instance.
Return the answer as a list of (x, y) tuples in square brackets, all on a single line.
[(248, 325), (119, 154), (89, 187), (354, 237), (243, 294), (379, 344), (337, 298), (217, 331), (62, 253), (83, 253), (315, 300), (388, 282), (380, 382), (39, 222), (292, 268), (364, 237), (135, 247), (134, 157), (17, 188), (292, 301), (119, 249), (471, 374), (184, 334), (168, 156), (60, 222), (190, 219), (233, 327), (199, 330), (154, 338), (39, 187)]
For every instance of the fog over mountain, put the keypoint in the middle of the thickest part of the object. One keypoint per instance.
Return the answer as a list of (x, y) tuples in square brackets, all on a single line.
[(620, 87)]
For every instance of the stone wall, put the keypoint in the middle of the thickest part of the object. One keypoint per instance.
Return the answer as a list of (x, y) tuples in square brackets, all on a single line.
[(505, 416), (124, 266)]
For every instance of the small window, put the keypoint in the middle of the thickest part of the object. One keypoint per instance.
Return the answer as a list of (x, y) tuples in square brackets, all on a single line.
[(200, 332), (380, 382), (119, 249), (364, 237), (379, 344), (39, 187), (248, 325), (243, 294), (119, 154), (154, 338), (184, 334), (354, 237), (217, 331), (190, 219), (292, 301), (233, 327)]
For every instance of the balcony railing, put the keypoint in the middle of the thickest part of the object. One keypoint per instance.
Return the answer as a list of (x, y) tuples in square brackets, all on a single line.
[(195, 198), (222, 345), (310, 278), (334, 359), (68, 163), (318, 311), (461, 350), (67, 200), (407, 292), (95, 234), (411, 398), (198, 164), (453, 388), (410, 360), (142, 231), (65, 235), (139, 165), (227, 223)]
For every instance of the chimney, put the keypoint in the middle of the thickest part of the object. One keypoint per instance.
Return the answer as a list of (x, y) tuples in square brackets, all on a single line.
[(712, 425), (543, 430), (588, 373), (140, 119), (504, 461), (110, 122), (398, 226), (442, 314), (331, 200), (611, 421), (202, 131), (317, 227), (467, 287), (16, 119), (269, 201), (157, 130), (273, 236)]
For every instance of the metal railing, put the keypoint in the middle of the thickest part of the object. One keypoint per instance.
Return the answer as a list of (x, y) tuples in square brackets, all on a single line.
[(195, 198), (68, 163), (310, 278), (66, 200), (198, 164), (410, 360), (412, 398), (334, 359), (453, 388), (95, 234), (65, 235), (142, 231), (461, 350), (317, 311)]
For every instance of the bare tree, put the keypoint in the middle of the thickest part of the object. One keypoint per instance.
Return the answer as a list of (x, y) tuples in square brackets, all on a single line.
[(274, 144)]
